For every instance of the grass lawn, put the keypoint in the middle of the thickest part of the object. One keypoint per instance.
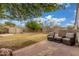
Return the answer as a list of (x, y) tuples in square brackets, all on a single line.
[(17, 41)]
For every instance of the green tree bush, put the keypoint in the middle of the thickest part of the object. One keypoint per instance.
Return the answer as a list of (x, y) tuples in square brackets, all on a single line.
[(33, 25), (23, 11)]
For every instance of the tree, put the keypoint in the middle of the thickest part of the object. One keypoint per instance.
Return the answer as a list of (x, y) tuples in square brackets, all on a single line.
[(9, 24), (3, 29), (24, 11), (33, 25)]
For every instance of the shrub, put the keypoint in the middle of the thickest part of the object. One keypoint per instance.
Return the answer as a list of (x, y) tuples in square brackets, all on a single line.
[(33, 25)]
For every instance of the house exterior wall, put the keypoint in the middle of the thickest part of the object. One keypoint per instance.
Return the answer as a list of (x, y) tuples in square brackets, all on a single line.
[(77, 24), (77, 21), (15, 30), (12, 30), (18, 30)]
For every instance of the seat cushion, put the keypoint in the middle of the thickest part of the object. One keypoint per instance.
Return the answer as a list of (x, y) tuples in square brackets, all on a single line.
[(56, 35), (69, 35), (68, 39), (50, 36)]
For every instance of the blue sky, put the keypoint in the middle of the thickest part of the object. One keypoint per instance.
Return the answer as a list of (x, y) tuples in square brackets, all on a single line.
[(68, 14), (62, 17)]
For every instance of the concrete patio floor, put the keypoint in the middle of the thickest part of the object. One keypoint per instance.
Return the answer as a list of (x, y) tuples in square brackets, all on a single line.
[(48, 48)]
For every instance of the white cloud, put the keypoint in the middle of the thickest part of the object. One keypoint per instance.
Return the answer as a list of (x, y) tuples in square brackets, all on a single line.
[(49, 17), (3, 21), (75, 13), (39, 19), (71, 23), (59, 19), (56, 21)]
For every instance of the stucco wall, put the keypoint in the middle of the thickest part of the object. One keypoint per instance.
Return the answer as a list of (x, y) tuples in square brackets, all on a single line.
[(14, 30)]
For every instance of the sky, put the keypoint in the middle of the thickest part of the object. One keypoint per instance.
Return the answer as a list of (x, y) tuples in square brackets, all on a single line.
[(61, 17)]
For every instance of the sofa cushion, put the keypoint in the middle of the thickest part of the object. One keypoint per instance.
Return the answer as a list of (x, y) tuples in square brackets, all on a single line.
[(69, 35), (66, 39), (56, 35)]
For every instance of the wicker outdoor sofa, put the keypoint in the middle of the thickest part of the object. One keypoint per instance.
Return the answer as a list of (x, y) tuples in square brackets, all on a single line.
[(67, 38)]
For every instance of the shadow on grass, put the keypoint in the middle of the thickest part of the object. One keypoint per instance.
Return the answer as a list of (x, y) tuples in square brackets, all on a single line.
[(15, 47)]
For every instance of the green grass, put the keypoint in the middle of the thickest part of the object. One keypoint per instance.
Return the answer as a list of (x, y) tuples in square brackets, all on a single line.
[(18, 41)]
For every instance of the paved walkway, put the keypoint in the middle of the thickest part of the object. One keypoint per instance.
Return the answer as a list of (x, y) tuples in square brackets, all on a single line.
[(47, 48)]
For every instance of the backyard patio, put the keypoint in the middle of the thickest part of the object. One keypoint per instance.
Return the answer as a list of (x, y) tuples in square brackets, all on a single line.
[(37, 29), (48, 48)]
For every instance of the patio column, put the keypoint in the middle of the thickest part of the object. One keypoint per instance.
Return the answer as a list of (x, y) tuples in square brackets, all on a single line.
[(77, 24)]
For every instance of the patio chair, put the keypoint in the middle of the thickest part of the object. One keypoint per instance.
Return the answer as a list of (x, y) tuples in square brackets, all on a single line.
[(50, 36), (69, 38), (57, 38)]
